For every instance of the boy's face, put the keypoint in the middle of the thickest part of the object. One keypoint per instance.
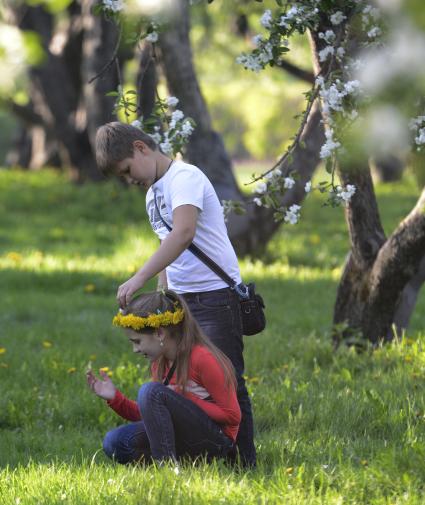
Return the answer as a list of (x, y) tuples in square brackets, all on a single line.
[(139, 170), (146, 344)]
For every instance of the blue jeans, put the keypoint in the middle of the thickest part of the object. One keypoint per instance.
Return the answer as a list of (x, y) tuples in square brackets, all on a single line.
[(173, 427), (218, 314)]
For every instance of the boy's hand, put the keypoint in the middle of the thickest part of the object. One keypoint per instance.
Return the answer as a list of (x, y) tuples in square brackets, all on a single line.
[(104, 388), (127, 290)]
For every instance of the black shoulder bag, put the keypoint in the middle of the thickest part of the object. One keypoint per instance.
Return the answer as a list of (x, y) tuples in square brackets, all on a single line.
[(251, 303)]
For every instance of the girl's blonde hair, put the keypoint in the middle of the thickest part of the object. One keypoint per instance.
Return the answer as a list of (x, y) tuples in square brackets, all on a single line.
[(187, 334)]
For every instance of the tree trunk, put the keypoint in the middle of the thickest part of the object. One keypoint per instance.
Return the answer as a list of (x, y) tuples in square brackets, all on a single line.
[(378, 272), (68, 110), (388, 169), (251, 232)]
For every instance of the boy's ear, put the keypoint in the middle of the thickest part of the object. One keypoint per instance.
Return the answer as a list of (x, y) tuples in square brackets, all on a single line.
[(140, 145)]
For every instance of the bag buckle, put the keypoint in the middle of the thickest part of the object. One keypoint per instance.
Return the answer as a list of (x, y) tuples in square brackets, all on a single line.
[(242, 290)]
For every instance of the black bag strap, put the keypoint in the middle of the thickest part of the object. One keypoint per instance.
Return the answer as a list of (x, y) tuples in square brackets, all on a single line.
[(170, 373), (211, 264)]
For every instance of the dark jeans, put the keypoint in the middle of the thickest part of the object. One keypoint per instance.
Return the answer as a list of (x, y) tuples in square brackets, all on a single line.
[(173, 427), (218, 314)]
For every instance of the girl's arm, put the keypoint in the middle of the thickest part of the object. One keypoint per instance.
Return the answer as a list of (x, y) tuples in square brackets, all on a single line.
[(106, 389), (127, 409), (224, 407)]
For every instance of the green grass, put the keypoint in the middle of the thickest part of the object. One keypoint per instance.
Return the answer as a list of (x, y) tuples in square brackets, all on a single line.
[(331, 428)]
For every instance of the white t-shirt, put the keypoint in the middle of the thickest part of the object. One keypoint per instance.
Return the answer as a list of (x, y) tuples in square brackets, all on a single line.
[(185, 184)]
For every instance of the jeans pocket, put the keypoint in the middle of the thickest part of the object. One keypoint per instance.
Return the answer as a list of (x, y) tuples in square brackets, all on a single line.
[(214, 301)]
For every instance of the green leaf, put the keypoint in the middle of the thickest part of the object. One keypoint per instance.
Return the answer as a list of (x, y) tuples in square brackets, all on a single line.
[(112, 93)]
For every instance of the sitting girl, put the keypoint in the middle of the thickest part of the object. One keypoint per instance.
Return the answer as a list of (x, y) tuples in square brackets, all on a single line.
[(190, 409)]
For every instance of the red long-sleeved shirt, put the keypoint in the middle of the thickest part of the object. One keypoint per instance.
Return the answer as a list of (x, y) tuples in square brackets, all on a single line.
[(205, 380)]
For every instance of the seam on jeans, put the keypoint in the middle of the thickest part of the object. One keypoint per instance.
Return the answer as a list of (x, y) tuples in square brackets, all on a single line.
[(157, 393)]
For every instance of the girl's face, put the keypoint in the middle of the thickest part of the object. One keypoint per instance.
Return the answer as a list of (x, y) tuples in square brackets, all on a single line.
[(147, 344)]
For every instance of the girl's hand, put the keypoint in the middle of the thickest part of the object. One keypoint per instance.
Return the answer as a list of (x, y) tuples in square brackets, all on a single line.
[(104, 388)]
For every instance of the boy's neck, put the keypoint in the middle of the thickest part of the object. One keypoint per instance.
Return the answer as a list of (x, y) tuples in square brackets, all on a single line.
[(163, 163)]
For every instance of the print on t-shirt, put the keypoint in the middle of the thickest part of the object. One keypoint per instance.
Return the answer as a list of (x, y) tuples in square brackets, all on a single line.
[(154, 217)]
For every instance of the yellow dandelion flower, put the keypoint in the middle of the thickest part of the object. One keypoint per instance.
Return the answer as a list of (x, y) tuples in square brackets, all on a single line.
[(72, 369), (315, 239), (289, 470), (104, 369), (2, 350), (152, 320), (110, 373), (14, 256), (89, 288), (47, 344)]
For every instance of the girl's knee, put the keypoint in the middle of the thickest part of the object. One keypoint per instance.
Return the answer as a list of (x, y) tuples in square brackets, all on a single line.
[(111, 443), (148, 392)]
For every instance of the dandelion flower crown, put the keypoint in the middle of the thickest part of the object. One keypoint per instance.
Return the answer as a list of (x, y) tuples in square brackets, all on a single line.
[(152, 320)]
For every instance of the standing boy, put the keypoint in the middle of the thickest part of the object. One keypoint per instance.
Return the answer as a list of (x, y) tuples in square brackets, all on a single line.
[(186, 200)]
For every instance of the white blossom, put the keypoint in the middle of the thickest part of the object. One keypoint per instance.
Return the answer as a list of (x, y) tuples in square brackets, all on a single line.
[(177, 115), (257, 39), (113, 5), (420, 139), (266, 19), (283, 22), (261, 188), (288, 182), (266, 53), (328, 36), (340, 52), (337, 18), (292, 214), (136, 123), (166, 147), (187, 128), (156, 137), (250, 62), (307, 187), (324, 53), (152, 37), (345, 194), (374, 32), (329, 146), (258, 201), (352, 86), (172, 101)]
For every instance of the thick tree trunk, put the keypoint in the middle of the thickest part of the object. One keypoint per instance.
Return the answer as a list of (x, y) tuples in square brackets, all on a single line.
[(68, 110), (100, 41), (205, 149), (251, 232), (388, 169), (380, 274)]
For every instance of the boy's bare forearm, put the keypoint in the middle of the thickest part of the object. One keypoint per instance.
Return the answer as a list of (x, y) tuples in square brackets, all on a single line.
[(169, 250)]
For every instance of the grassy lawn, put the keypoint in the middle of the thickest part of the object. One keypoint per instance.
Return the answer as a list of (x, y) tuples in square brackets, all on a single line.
[(331, 428)]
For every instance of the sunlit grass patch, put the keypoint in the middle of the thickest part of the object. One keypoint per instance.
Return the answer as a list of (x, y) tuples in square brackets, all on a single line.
[(331, 427)]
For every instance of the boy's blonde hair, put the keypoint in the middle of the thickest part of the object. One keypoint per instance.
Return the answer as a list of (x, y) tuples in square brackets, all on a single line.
[(114, 143)]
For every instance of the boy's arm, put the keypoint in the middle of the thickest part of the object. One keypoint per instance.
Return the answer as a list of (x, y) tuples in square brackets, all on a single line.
[(184, 226)]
